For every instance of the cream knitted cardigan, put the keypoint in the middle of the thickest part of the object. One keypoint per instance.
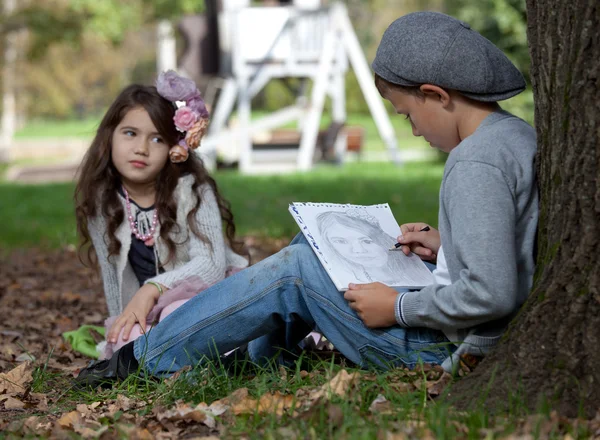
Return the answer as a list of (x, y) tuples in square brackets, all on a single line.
[(194, 258)]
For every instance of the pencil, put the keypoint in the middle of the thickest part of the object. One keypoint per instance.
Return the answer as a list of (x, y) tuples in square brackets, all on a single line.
[(397, 245)]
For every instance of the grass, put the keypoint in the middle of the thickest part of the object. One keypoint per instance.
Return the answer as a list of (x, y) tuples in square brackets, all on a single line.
[(48, 128), (409, 414), (42, 215)]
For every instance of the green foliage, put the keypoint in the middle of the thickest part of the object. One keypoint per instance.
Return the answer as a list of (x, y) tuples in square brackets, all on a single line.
[(172, 8), (503, 22), (68, 81), (109, 19), (62, 77), (53, 21), (521, 105), (47, 28)]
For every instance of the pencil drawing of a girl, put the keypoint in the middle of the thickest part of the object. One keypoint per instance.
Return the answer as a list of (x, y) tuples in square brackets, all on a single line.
[(357, 240)]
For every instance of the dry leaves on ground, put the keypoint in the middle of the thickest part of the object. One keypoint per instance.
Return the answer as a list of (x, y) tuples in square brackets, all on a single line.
[(45, 294), (16, 379)]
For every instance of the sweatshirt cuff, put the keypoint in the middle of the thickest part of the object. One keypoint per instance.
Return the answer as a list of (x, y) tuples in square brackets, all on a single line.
[(408, 308), (398, 310)]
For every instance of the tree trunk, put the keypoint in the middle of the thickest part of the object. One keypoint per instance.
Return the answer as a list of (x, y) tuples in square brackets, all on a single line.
[(552, 350)]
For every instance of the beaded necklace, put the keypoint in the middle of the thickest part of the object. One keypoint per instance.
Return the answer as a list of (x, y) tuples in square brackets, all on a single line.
[(148, 239)]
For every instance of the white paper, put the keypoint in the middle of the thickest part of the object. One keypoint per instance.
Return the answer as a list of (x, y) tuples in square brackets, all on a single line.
[(353, 241)]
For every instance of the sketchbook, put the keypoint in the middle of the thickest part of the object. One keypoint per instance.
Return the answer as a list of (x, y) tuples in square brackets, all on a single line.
[(353, 241)]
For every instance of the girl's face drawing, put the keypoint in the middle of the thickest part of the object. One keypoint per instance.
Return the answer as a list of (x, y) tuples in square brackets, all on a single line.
[(357, 247)]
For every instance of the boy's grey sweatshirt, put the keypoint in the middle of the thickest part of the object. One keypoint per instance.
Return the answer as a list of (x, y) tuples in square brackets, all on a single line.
[(487, 220)]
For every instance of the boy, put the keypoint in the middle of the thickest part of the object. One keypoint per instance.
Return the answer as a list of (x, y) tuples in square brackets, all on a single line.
[(446, 79)]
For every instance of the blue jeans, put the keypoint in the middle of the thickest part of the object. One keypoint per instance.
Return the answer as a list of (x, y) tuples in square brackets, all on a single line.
[(272, 305)]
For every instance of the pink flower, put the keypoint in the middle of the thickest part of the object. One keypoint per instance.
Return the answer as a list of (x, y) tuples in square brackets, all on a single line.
[(178, 154), (185, 118), (173, 87), (197, 104)]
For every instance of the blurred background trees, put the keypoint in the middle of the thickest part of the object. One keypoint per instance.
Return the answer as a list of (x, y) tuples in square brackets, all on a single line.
[(73, 56)]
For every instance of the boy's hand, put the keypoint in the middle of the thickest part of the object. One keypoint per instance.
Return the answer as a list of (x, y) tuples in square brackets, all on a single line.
[(374, 303), (425, 244), (136, 311)]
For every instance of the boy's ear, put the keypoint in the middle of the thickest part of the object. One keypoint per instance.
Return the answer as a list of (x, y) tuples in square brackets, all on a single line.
[(436, 92)]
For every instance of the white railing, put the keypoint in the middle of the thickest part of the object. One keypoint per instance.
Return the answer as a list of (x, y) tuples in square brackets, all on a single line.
[(278, 35)]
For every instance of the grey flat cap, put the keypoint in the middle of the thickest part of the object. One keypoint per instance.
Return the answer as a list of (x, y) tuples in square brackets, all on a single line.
[(434, 48)]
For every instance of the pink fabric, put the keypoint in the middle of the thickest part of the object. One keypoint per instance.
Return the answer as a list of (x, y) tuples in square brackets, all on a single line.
[(167, 303)]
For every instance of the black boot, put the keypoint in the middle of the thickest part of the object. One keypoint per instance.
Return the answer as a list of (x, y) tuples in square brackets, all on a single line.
[(105, 372)]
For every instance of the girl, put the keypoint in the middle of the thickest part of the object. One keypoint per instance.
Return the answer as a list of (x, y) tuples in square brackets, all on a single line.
[(150, 210)]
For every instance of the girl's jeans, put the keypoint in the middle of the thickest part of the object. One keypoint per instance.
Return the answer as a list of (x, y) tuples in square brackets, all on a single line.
[(273, 305)]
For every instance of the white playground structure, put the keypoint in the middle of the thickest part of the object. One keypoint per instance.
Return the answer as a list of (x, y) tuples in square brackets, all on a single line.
[(303, 40)]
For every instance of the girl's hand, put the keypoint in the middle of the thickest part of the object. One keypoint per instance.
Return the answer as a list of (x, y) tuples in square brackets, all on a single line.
[(136, 311), (426, 244), (374, 303)]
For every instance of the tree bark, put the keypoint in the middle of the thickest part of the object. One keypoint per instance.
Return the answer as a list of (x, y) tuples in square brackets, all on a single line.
[(551, 352)]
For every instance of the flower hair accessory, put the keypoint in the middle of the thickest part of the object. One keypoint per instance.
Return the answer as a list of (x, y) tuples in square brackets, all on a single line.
[(191, 116), (362, 214)]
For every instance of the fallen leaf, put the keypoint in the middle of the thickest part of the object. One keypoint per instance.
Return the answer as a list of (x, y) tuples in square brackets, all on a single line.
[(436, 388), (173, 378), (12, 403), (69, 419), (339, 385), (381, 405), (83, 409), (87, 432), (143, 434), (15, 380), (283, 373), (234, 398), (34, 424), (275, 403), (25, 357), (124, 403), (137, 433), (268, 403), (402, 387), (200, 413), (41, 401)]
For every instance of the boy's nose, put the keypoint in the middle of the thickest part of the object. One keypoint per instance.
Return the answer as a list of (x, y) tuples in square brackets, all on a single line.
[(414, 130)]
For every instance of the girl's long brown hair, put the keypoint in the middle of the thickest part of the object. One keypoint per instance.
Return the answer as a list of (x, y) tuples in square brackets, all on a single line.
[(99, 181)]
